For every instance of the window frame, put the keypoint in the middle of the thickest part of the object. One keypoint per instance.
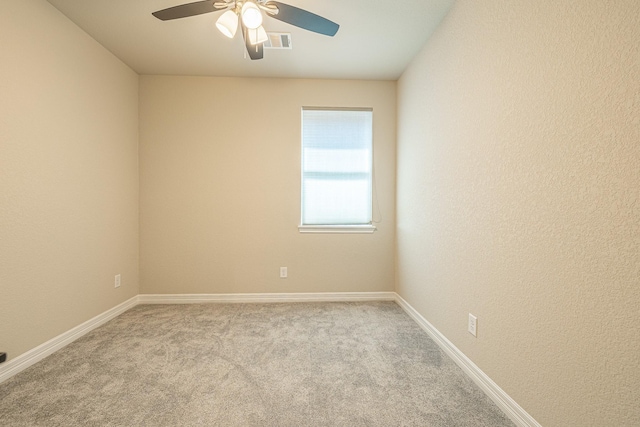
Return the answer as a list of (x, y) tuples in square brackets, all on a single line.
[(335, 228)]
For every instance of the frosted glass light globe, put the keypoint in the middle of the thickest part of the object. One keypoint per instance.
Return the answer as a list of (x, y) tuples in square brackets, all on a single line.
[(251, 15), (228, 23)]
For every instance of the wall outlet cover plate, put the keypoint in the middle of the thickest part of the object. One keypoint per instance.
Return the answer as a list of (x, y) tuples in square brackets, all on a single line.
[(473, 325)]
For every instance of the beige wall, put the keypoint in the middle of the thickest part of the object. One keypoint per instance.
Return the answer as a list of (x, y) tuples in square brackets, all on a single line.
[(518, 191), (220, 188), (518, 200), (68, 176)]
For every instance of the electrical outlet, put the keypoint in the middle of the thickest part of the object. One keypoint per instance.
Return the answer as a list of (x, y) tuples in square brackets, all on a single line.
[(283, 272), (117, 283), (473, 324)]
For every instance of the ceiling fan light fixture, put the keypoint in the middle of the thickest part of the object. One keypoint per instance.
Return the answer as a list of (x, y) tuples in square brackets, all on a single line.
[(228, 23), (248, 14), (251, 15), (258, 35)]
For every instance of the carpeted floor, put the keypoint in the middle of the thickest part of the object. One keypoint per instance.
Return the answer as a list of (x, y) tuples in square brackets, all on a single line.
[(298, 364)]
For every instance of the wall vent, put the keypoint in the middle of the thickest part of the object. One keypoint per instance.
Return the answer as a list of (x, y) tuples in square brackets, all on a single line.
[(278, 41)]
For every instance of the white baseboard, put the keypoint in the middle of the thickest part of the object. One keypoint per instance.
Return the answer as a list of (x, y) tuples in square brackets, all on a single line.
[(22, 362), (509, 406), (262, 298), (518, 415)]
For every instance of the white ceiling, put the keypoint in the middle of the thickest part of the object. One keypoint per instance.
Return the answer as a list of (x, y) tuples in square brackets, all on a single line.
[(377, 38)]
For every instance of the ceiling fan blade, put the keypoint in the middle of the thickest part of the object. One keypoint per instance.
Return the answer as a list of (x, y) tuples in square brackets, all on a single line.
[(186, 10), (303, 19), (255, 51)]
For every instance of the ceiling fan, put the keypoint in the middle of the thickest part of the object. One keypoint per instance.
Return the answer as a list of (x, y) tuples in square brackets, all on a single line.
[(248, 14)]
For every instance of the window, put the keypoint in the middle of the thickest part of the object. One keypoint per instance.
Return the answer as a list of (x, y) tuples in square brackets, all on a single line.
[(337, 158)]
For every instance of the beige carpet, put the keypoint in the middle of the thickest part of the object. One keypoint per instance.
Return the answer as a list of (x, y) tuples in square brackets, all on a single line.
[(298, 364)]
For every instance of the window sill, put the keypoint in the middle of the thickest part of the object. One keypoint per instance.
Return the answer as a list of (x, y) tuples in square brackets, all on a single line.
[(337, 229)]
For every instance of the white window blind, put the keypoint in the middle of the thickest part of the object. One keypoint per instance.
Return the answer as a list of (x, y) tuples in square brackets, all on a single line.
[(337, 156)]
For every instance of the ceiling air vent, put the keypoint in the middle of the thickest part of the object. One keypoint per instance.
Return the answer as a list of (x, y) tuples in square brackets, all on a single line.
[(278, 41)]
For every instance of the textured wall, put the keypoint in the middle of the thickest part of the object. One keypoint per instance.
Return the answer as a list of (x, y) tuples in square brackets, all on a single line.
[(519, 200), (68, 176), (220, 188)]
